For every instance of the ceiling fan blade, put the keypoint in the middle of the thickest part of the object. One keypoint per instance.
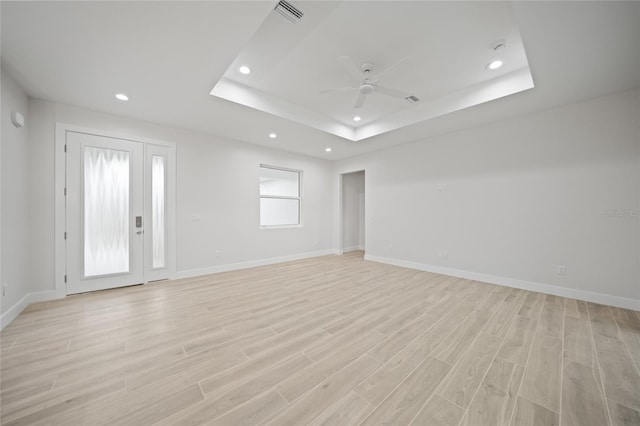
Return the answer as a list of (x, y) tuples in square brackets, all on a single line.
[(338, 89), (394, 93), (360, 101), (351, 66)]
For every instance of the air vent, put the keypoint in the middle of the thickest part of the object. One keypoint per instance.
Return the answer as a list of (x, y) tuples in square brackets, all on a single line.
[(289, 11), (412, 99)]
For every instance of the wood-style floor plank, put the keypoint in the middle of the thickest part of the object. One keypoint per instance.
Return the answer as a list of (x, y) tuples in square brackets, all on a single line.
[(629, 331), (496, 397), (456, 343), (53, 403), (404, 402), (310, 405), (300, 383), (213, 384), (334, 340), (438, 412), (623, 416), (551, 319), (518, 340), (578, 343), (542, 375), (582, 396), (160, 408), (529, 413), (380, 384), (208, 409), (467, 374), (254, 412), (621, 380), (502, 320), (350, 410), (532, 305), (602, 322)]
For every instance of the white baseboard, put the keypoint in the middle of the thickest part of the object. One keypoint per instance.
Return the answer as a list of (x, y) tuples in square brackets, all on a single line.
[(21, 304), (251, 264), (572, 293), (352, 248)]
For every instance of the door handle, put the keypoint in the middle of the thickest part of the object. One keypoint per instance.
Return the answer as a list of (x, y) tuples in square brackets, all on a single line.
[(139, 232)]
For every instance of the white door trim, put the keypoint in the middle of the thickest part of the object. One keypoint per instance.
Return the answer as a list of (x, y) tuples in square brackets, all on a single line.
[(60, 200)]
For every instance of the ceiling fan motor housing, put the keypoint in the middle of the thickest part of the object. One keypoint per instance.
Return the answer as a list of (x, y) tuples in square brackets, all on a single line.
[(366, 88)]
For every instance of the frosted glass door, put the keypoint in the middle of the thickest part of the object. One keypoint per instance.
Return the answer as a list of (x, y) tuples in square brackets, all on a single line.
[(105, 227), (106, 211)]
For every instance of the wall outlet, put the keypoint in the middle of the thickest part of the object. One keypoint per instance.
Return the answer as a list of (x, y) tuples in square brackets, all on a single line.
[(196, 217), (562, 270), (218, 253), (441, 186), (442, 252)]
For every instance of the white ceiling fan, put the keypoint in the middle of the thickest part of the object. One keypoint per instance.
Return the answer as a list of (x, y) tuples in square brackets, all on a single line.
[(368, 83)]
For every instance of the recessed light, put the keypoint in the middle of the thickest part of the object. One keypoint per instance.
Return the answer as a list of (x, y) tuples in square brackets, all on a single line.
[(327, 149), (273, 135), (122, 97), (356, 118), (244, 69), (494, 65)]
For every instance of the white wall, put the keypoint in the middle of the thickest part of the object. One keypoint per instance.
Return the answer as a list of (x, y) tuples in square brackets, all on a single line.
[(217, 180), (353, 211), (520, 197), (15, 227)]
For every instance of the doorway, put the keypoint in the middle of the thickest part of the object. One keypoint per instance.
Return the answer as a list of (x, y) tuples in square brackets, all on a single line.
[(119, 204), (353, 211)]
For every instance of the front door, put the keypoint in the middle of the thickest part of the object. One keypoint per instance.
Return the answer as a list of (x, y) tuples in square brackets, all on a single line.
[(105, 220)]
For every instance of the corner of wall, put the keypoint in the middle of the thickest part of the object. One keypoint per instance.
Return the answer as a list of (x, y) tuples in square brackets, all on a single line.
[(29, 298)]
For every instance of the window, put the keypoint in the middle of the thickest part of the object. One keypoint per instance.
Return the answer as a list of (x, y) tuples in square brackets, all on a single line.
[(279, 196), (157, 210)]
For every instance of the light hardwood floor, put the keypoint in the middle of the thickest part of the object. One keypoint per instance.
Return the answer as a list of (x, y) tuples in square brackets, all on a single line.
[(327, 341)]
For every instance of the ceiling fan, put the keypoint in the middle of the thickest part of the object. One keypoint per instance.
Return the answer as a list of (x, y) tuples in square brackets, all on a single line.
[(368, 83)]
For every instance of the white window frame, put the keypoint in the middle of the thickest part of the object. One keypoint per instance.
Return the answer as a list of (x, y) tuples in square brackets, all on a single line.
[(281, 197)]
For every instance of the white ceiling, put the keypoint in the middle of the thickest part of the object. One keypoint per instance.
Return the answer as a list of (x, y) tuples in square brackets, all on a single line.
[(433, 50), (168, 55)]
